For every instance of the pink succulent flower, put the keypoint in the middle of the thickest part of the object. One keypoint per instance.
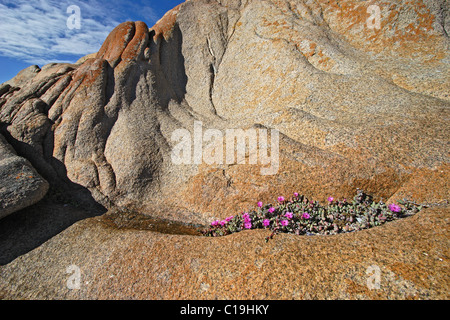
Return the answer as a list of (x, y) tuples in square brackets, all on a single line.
[(248, 225), (289, 215), (280, 199), (306, 215), (330, 199), (395, 208), (215, 223), (266, 222), (295, 194), (223, 222), (260, 204), (284, 223), (246, 218), (272, 210)]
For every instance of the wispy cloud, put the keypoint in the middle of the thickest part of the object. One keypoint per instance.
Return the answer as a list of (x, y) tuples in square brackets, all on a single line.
[(36, 32)]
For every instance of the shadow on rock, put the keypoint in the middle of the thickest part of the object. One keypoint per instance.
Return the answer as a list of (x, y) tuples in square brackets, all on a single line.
[(29, 228)]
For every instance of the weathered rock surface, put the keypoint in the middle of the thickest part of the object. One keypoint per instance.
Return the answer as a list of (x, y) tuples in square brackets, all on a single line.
[(412, 257), (356, 107), (21, 186)]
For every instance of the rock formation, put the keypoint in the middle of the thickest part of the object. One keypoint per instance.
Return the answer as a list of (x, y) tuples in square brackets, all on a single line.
[(21, 185), (358, 92), (355, 106)]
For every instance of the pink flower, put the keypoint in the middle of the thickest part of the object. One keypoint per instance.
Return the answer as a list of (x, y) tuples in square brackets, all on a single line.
[(284, 223), (295, 194), (247, 218), (306, 215), (395, 208), (223, 222), (229, 218), (266, 222), (289, 215), (214, 223), (248, 225), (280, 199), (260, 204), (330, 199), (272, 210)]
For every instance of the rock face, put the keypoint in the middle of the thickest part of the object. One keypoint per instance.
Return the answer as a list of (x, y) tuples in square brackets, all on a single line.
[(360, 100), (21, 186), (409, 256), (357, 92)]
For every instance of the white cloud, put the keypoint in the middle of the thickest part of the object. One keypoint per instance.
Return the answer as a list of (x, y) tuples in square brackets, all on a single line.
[(36, 32)]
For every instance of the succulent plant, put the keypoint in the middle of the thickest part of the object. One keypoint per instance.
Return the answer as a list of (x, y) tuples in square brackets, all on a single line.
[(301, 216)]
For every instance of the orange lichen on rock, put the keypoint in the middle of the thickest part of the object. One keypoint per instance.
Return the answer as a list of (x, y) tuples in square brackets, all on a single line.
[(163, 28), (89, 72), (116, 42), (415, 38), (126, 42), (137, 45), (426, 185)]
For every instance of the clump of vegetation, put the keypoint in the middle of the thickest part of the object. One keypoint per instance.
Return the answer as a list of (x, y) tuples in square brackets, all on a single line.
[(301, 216)]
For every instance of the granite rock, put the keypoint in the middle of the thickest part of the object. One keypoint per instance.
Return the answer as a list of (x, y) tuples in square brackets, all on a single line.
[(356, 106), (408, 259), (21, 185)]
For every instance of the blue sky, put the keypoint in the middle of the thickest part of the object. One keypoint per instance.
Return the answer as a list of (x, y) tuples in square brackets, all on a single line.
[(37, 32)]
